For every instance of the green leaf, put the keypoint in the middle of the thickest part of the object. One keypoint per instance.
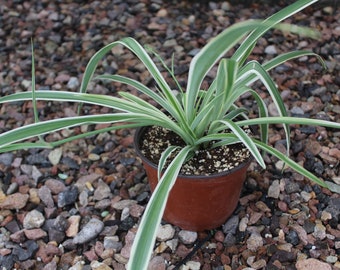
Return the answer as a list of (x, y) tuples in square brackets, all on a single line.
[(246, 140), (254, 67), (34, 99), (145, 238), (245, 48), (295, 166), (41, 128), (208, 56), (289, 120), (225, 79), (164, 157), (280, 59), (50, 145)]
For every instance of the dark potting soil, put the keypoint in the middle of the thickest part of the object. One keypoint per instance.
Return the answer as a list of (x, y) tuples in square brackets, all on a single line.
[(204, 162)]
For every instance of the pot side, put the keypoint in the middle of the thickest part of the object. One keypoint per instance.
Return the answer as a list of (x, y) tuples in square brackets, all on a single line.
[(198, 203)]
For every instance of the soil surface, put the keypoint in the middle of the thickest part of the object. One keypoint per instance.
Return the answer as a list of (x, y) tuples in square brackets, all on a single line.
[(78, 206), (206, 160)]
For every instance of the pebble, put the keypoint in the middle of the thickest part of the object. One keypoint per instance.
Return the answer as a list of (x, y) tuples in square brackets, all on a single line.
[(274, 190), (102, 191), (260, 264), (325, 216), (301, 232), (55, 186), (120, 205), (254, 242), (187, 237), (73, 83), (291, 187), (77, 266), (34, 196), (319, 230), (112, 242), (89, 231), (94, 157), (172, 244), (13, 187), (271, 49), (157, 263), (272, 110), (25, 250), (314, 147), (231, 225), (46, 196), (165, 232), (192, 265), (292, 237), (126, 250), (6, 158), (95, 265), (333, 207), (306, 196), (35, 234), (68, 196), (55, 155), (243, 224), (125, 213), (14, 201), (312, 264), (297, 111), (60, 223), (83, 198), (219, 236), (136, 210), (73, 226), (33, 219), (331, 259)]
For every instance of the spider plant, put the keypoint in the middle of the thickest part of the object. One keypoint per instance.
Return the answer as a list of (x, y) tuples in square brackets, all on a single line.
[(197, 116)]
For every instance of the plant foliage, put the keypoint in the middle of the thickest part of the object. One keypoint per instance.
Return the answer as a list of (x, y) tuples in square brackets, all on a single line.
[(198, 116)]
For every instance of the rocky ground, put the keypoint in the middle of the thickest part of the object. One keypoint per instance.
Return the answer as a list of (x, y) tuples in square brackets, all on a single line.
[(78, 206)]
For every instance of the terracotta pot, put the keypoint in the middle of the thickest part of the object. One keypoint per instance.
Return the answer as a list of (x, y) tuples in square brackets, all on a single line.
[(198, 203)]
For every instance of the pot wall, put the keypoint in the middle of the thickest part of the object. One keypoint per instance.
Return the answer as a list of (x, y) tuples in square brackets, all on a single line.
[(198, 203)]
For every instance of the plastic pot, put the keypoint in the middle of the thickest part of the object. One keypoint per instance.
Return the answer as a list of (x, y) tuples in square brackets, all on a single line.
[(198, 203)]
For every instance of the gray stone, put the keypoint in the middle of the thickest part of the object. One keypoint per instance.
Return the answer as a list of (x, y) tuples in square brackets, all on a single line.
[(120, 205), (33, 219), (55, 155), (46, 196), (89, 231), (165, 232), (157, 263), (6, 158), (319, 230), (112, 242), (231, 225), (187, 237), (254, 242), (73, 83), (271, 49), (274, 189), (297, 111), (102, 191), (68, 196)]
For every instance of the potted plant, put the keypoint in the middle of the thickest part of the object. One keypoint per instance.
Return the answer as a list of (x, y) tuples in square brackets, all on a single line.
[(199, 121)]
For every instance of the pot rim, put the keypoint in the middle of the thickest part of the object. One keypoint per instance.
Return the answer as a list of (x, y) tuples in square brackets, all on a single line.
[(138, 134)]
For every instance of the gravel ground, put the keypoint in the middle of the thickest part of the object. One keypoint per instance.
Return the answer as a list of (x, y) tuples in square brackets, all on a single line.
[(78, 206)]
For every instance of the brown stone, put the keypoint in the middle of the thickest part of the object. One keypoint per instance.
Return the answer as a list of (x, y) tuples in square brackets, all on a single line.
[(35, 234), (14, 201), (312, 264)]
